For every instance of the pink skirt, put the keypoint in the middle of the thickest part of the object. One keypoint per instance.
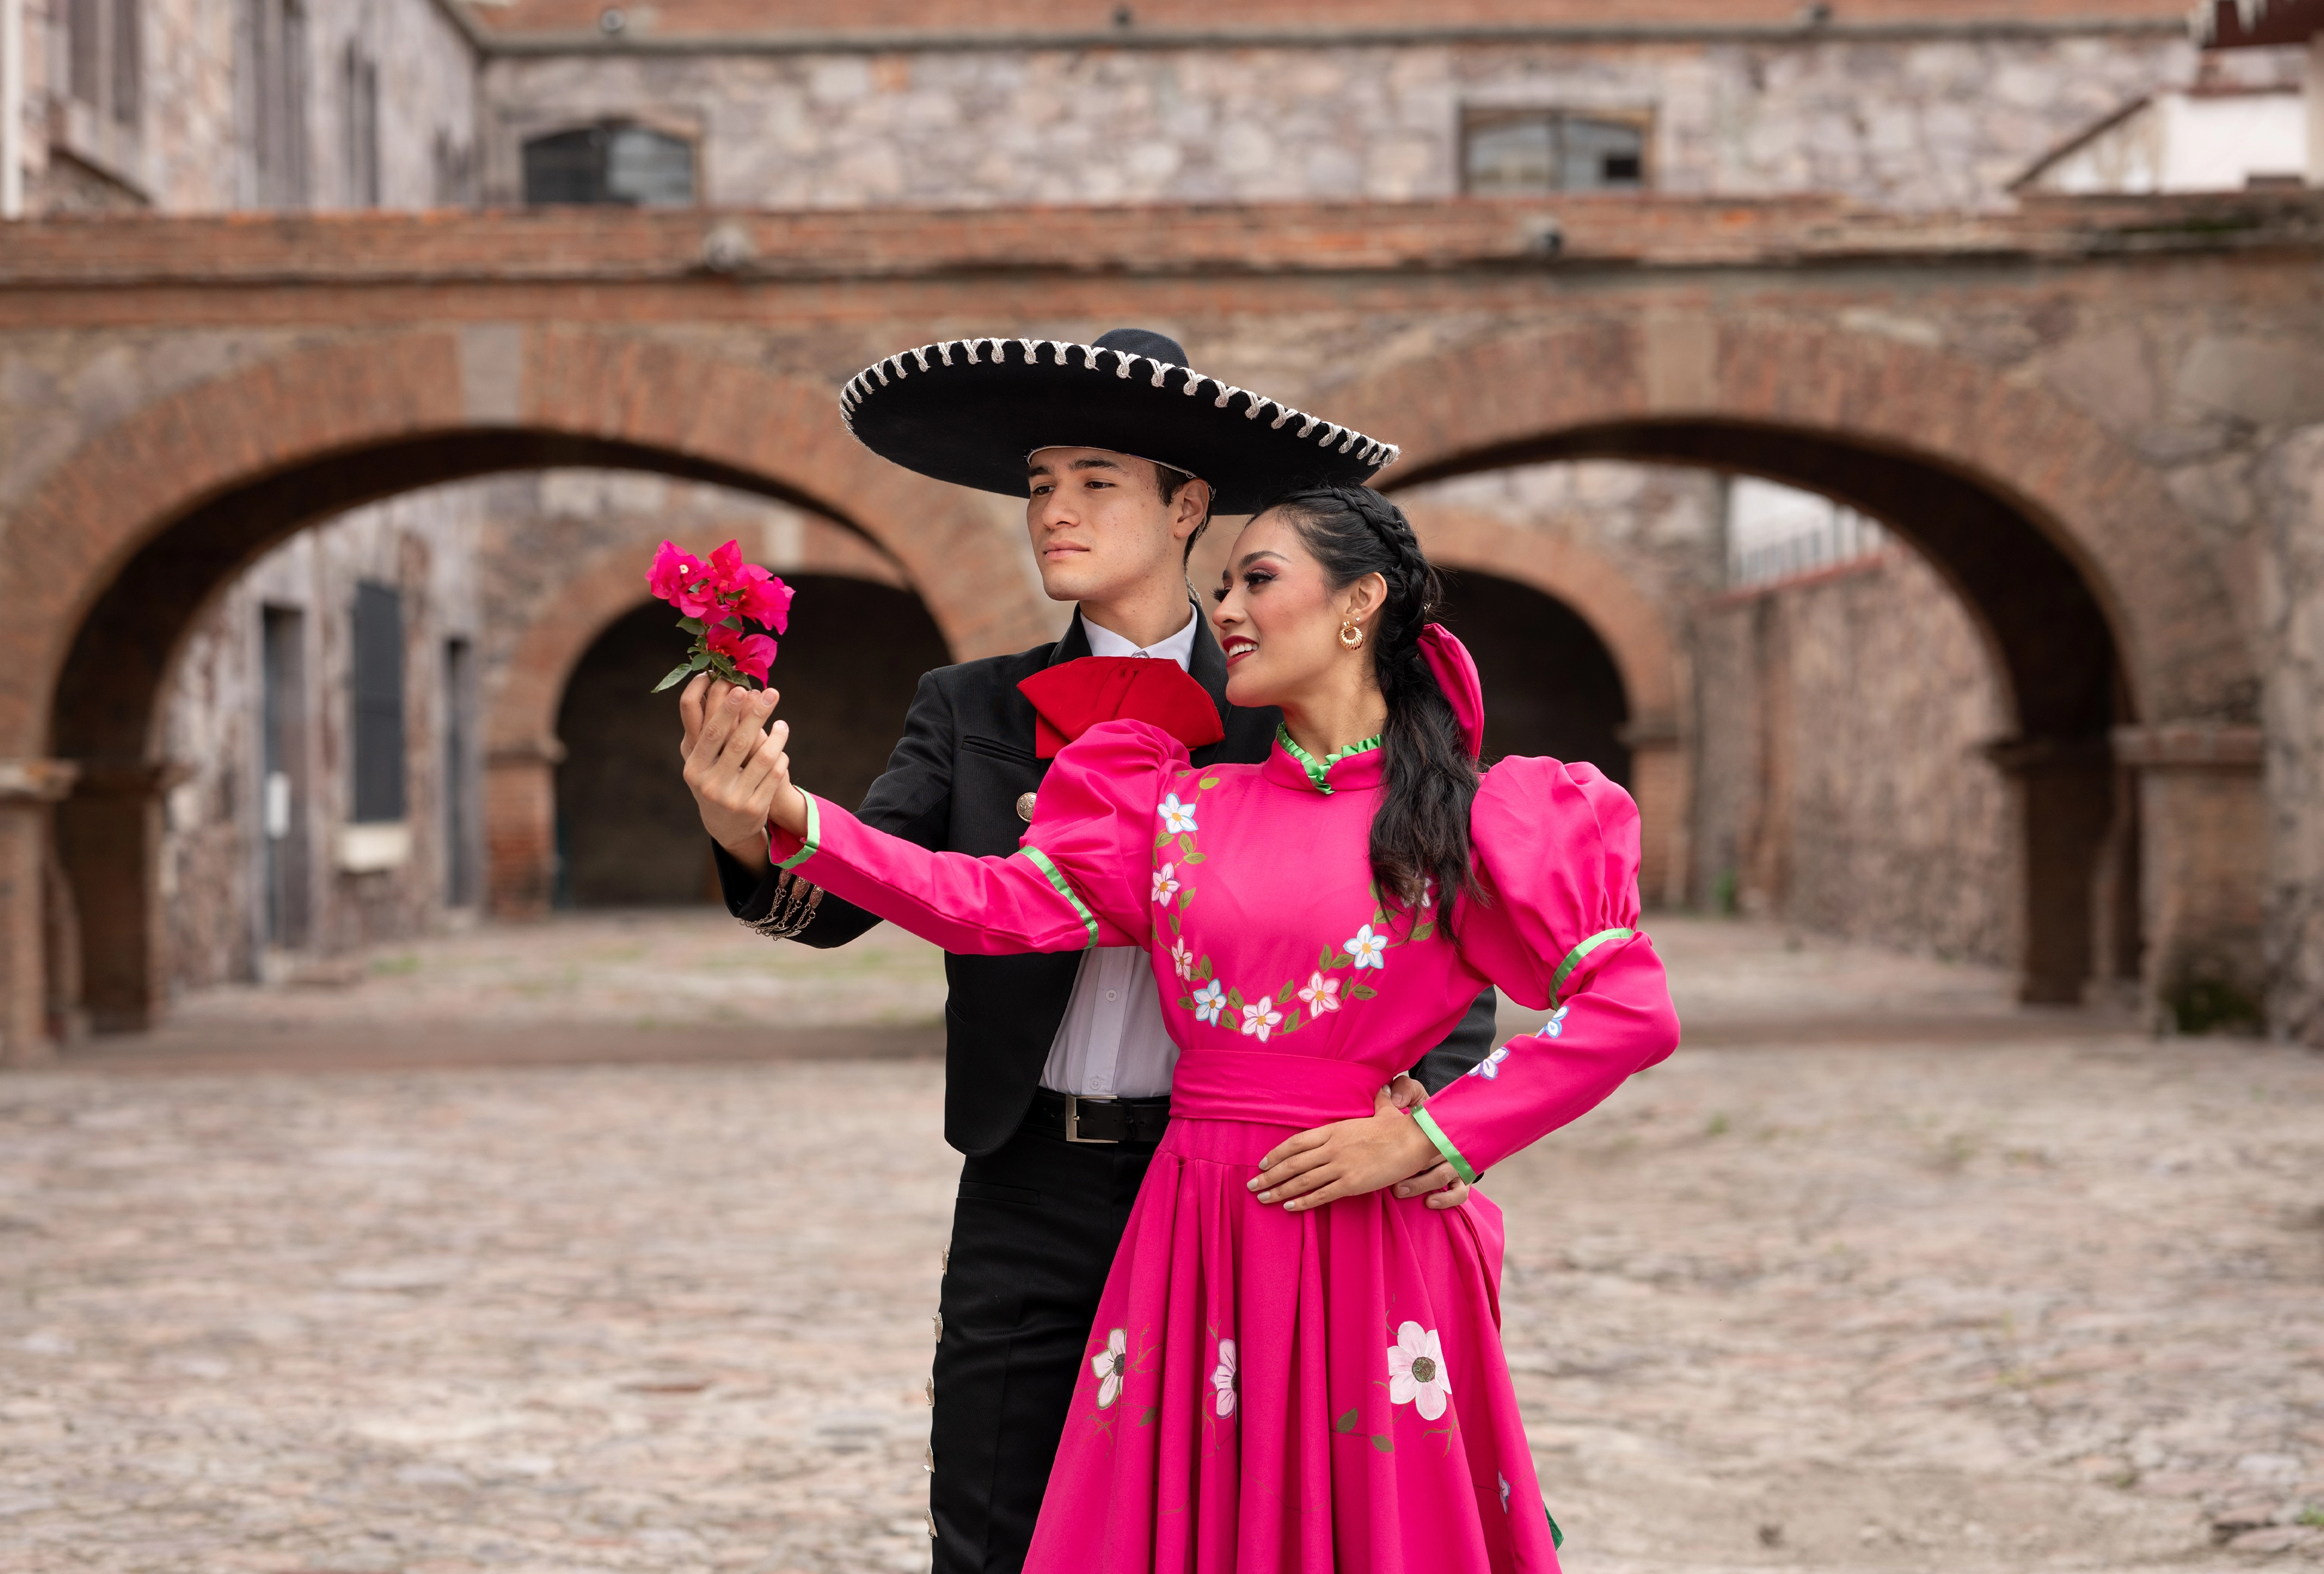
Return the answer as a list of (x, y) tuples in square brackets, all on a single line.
[(1322, 1392)]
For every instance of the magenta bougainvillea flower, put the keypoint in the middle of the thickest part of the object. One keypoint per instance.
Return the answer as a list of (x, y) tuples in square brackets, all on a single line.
[(720, 600)]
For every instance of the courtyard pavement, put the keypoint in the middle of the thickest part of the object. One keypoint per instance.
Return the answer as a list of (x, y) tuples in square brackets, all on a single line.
[(416, 1264)]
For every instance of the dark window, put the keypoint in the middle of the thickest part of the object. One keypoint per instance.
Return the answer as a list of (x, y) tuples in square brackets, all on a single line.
[(1508, 152), (359, 105), (105, 63), (128, 63), (625, 165), (377, 685), (85, 37), (274, 53)]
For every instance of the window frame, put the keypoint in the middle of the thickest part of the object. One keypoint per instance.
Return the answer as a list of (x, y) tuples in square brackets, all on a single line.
[(1478, 116)]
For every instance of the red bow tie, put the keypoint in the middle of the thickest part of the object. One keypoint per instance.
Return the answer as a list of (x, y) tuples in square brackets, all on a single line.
[(1073, 696)]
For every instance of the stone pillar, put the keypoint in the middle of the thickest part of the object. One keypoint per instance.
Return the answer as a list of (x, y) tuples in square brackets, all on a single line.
[(29, 789), (520, 827), (1661, 775), (2066, 806), (2203, 871), (109, 836)]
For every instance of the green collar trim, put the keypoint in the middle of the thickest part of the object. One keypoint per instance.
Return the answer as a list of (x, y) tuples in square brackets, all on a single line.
[(1320, 771)]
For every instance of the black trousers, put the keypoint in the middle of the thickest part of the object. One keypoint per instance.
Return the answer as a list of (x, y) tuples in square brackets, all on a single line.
[(1033, 1234)]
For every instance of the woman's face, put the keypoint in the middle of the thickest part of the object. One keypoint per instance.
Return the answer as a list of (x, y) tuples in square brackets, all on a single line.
[(1278, 619)]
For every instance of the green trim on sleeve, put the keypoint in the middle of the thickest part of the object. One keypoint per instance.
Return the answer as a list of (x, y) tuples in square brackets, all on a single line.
[(814, 842), (1573, 958), (1041, 860), (1427, 1122)]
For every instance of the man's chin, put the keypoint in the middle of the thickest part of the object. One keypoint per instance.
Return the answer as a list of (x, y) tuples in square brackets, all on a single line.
[(1069, 581)]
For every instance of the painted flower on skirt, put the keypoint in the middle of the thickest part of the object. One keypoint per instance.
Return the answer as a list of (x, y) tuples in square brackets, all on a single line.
[(1182, 960), (1555, 1028), (1222, 1378), (1321, 994), (1166, 884), (1112, 1366), (1415, 1371), (1490, 1068), (1368, 949), (1261, 1019), (1210, 1000), (1176, 818)]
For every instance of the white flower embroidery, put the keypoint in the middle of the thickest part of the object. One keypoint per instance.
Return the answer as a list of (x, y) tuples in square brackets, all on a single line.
[(1177, 817), (1489, 1067), (1261, 1019), (1182, 958), (1367, 948), (1112, 1365), (1428, 891), (1166, 884), (1224, 1378), (1210, 1000), (1555, 1028), (1415, 1371), (1321, 994)]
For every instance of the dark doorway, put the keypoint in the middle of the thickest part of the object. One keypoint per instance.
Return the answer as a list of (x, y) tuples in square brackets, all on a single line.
[(282, 795), (627, 830), (1551, 686), (460, 778)]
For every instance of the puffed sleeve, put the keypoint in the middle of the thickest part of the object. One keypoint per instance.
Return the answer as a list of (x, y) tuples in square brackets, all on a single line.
[(1555, 924), (1080, 879)]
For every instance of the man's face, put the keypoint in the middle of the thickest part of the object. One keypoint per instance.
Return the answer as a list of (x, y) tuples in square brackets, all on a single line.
[(1099, 524)]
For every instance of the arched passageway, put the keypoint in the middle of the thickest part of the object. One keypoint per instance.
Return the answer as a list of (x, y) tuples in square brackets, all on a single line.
[(1551, 685), (627, 832), (2040, 614)]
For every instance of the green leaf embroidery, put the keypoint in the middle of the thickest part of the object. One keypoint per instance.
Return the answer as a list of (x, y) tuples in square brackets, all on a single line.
[(1235, 997), (1385, 1445), (1147, 1419), (1162, 841), (1186, 842), (1362, 992), (1208, 782), (1346, 1423), (1192, 858), (1324, 957), (677, 674)]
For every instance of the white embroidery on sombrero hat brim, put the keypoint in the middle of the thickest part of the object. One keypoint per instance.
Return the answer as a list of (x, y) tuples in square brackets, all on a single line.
[(877, 375)]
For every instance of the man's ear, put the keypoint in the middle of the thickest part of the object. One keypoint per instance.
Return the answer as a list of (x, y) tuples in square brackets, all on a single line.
[(1189, 508)]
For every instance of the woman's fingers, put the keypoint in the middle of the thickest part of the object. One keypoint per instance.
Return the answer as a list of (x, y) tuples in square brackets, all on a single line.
[(1405, 1092), (1452, 1195), (1427, 1181), (1298, 1144), (1301, 1188)]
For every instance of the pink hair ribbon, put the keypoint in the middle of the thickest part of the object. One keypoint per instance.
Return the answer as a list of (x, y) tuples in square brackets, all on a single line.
[(1456, 674)]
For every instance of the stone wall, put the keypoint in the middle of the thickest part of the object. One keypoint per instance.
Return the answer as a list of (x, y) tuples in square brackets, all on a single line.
[(1914, 124), (190, 147), (1842, 782), (213, 873)]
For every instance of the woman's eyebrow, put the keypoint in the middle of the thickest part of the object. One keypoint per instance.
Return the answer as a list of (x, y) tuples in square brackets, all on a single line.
[(1251, 557)]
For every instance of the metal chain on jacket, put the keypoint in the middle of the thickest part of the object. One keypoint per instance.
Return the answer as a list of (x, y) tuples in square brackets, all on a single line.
[(792, 910)]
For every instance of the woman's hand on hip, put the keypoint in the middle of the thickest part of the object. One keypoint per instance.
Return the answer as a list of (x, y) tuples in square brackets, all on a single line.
[(1446, 1189), (1345, 1158)]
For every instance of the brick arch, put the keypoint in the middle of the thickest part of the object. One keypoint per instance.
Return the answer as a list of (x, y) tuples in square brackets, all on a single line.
[(2113, 626), (1635, 632), (521, 750), (109, 562)]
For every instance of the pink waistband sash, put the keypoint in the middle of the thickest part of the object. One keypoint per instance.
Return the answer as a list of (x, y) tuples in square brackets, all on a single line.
[(1294, 1091)]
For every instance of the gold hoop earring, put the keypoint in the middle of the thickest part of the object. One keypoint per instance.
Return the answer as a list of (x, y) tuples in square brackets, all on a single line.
[(1351, 634)]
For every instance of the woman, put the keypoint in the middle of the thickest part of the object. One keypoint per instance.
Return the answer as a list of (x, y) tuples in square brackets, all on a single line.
[(1293, 1367)]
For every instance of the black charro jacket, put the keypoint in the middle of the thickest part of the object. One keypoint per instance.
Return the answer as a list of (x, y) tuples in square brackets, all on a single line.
[(952, 785)]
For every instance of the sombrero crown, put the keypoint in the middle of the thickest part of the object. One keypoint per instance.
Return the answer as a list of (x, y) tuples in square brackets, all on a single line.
[(968, 411)]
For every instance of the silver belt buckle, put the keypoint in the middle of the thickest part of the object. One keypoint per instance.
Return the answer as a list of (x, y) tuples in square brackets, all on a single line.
[(1074, 1102)]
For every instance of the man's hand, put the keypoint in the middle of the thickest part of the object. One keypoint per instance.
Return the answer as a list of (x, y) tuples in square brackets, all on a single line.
[(1351, 1157), (736, 766)]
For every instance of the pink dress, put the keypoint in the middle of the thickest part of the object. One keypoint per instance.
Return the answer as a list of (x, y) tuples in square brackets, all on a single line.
[(1322, 1391)]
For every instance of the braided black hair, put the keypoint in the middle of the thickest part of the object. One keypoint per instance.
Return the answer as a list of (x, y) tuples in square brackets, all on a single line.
[(1420, 832)]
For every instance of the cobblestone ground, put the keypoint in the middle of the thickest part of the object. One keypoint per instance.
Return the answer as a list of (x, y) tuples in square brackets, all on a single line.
[(1971, 1290)]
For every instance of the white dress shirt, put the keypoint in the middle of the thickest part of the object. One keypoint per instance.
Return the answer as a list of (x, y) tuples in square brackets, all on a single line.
[(1111, 1044)]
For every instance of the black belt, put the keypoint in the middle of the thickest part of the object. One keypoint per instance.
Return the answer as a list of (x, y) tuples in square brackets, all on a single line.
[(1079, 1119)]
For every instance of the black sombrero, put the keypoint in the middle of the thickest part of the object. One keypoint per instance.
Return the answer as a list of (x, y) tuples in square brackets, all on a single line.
[(969, 410)]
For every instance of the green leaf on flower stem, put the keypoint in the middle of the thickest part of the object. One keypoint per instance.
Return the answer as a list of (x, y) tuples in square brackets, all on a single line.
[(692, 625), (1192, 858), (1208, 782), (1147, 1419), (1385, 1445), (1346, 1423), (733, 623), (700, 663), (677, 674)]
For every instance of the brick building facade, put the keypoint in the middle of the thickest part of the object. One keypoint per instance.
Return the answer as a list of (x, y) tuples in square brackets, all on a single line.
[(1970, 803)]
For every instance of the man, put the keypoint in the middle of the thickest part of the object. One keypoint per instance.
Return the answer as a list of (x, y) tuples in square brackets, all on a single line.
[(1057, 1067)]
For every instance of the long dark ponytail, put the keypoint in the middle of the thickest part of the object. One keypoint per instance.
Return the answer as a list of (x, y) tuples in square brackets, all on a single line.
[(1421, 830)]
